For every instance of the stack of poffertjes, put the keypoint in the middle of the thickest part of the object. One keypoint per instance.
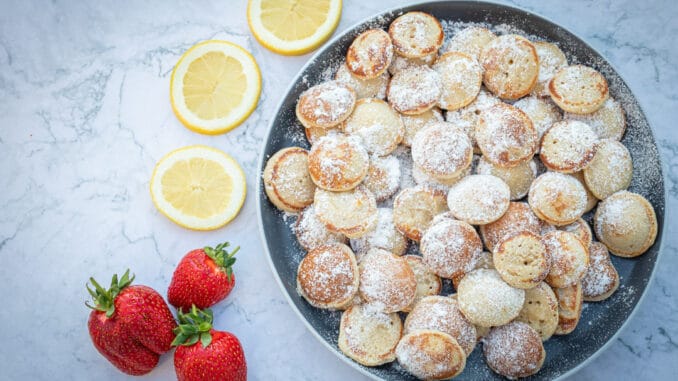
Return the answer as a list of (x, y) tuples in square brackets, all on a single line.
[(506, 227)]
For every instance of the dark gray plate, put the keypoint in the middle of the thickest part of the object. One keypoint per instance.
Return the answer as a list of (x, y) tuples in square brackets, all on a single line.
[(600, 322)]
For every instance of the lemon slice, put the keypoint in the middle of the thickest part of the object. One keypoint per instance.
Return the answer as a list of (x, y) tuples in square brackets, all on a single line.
[(198, 187), (293, 27), (214, 87)]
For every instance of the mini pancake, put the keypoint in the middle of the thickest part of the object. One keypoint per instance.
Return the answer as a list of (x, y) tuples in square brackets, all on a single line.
[(570, 303), (511, 66), (601, 279), (450, 247), (479, 199), (327, 277), (522, 260), (486, 300), (370, 54), (415, 123), (287, 181), (506, 136), (431, 355), (470, 41), (312, 233), (518, 178), (386, 280), (325, 105), (578, 89), (352, 213), (557, 198), (542, 112), (569, 258), (414, 90), (441, 313), (608, 122), (611, 169), (514, 350), (461, 78), (377, 124), (568, 146), (626, 223), (383, 176), (428, 283), (442, 151), (416, 34), (413, 211), (540, 310), (384, 236), (368, 335), (338, 162)]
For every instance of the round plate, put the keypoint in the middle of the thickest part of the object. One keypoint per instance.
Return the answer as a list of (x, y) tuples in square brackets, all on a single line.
[(600, 322)]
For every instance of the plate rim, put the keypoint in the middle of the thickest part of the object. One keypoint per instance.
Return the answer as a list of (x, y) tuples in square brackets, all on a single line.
[(341, 34)]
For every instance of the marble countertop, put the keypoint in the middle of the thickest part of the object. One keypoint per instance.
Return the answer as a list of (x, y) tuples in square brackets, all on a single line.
[(84, 116)]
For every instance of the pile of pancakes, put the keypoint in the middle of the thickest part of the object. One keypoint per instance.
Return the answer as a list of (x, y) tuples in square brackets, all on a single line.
[(481, 154)]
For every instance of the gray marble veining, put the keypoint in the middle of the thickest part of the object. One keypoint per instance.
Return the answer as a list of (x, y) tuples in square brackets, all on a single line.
[(85, 114)]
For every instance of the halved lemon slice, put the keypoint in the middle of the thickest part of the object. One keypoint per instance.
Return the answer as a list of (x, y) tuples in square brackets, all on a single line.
[(198, 187), (293, 27), (214, 87)]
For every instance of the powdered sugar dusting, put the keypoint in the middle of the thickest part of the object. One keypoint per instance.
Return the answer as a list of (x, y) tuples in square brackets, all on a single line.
[(486, 300), (450, 247), (442, 149), (386, 279), (326, 104), (479, 199), (384, 236), (384, 176), (441, 313), (569, 145), (514, 350), (506, 135), (601, 275), (311, 233), (327, 276), (543, 113), (414, 90), (608, 122)]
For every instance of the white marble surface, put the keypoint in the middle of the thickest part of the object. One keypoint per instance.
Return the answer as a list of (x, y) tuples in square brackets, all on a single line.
[(84, 116)]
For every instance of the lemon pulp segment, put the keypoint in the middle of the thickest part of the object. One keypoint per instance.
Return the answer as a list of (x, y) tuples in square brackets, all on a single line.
[(294, 19), (198, 187), (213, 85)]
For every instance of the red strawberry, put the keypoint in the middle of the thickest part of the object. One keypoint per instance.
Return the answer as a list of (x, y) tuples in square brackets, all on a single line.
[(203, 277), (130, 325), (218, 356)]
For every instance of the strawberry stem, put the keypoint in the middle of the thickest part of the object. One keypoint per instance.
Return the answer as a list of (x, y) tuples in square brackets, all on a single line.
[(222, 258), (104, 300), (193, 326)]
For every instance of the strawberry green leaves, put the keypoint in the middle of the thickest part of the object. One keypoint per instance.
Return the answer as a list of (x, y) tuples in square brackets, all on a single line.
[(104, 299), (222, 258), (193, 326)]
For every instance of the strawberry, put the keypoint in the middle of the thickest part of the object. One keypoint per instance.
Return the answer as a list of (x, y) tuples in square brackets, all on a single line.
[(203, 277), (218, 356), (130, 325)]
